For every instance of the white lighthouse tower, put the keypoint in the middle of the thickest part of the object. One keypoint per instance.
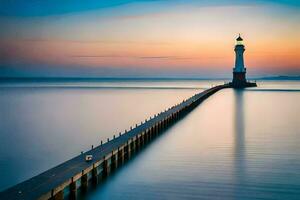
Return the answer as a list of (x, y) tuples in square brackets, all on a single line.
[(239, 71)]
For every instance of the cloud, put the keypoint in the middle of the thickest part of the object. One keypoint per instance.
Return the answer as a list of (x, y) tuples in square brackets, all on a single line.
[(98, 56), (136, 57), (156, 57), (166, 57), (95, 41)]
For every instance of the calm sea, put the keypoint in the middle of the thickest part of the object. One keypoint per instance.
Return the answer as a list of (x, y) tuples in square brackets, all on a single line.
[(238, 144)]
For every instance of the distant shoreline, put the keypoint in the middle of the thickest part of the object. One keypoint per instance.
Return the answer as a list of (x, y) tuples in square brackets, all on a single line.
[(288, 78), (96, 79)]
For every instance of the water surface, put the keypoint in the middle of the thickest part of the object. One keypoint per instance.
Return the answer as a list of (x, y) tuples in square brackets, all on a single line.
[(235, 145), (43, 124)]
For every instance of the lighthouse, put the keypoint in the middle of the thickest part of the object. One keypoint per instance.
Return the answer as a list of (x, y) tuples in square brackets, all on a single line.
[(239, 70)]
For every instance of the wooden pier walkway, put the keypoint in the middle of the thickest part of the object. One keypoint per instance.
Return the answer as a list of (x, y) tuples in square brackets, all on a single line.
[(65, 180)]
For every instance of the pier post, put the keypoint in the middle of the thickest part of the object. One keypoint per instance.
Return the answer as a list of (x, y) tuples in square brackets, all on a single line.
[(150, 134), (126, 152), (143, 139), (73, 189), (166, 122), (129, 148), (120, 156), (58, 196), (132, 146), (154, 131), (127, 155), (159, 127), (113, 163), (94, 175), (104, 168), (136, 143), (84, 182), (140, 141)]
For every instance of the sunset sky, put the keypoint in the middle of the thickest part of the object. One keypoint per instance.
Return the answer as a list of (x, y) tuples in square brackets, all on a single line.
[(149, 38)]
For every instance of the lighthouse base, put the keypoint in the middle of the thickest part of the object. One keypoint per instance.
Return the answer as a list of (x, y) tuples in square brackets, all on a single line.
[(239, 80)]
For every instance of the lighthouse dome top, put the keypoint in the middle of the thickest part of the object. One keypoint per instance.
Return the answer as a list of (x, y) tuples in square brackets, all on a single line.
[(239, 40)]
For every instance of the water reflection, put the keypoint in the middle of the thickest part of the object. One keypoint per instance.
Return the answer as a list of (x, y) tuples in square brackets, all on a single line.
[(239, 148), (235, 145)]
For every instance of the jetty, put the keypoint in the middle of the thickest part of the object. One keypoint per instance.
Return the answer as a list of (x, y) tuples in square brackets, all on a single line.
[(74, 176)]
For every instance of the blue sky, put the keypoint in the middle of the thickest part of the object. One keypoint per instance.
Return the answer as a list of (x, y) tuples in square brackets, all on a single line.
[(29, 8)]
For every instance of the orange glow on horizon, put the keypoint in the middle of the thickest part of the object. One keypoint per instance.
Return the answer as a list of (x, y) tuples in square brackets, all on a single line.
[(172, 55)]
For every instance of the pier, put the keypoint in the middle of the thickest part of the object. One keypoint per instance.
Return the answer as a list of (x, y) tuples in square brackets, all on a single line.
[(76, 175)]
